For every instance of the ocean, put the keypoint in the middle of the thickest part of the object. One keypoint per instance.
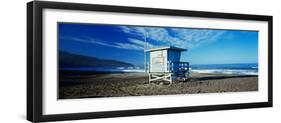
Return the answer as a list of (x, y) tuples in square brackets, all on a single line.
[(237, 69), (108, 69)]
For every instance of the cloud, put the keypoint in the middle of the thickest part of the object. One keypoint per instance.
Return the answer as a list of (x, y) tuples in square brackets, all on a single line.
[(179, 37), (128, 46), (140, 43), (133, 44)]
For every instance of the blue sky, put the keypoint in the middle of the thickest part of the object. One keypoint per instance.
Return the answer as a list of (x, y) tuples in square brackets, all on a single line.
[(126, 43)]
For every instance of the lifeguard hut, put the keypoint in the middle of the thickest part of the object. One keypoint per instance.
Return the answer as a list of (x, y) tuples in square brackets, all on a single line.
[(164, 64)]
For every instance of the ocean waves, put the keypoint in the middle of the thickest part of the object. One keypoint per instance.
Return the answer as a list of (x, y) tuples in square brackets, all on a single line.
[(226, 71), (238, 69)]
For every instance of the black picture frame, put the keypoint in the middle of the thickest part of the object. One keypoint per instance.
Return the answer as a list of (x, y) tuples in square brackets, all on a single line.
[(35, 69)]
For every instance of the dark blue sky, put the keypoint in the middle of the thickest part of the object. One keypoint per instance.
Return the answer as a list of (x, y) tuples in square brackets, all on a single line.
[(126, 43)]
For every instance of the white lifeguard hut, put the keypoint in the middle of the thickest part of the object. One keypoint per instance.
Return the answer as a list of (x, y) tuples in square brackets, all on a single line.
[(164, 64)]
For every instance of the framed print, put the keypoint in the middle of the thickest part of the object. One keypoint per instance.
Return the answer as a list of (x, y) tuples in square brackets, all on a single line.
[(95, 61)]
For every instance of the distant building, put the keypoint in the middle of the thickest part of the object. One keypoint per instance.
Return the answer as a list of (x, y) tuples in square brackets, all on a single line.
[(164, 64)]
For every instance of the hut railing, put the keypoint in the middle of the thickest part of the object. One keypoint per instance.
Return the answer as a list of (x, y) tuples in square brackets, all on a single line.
[(176, 67)]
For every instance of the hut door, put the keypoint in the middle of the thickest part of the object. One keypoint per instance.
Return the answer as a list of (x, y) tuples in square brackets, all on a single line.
[(158, 63)]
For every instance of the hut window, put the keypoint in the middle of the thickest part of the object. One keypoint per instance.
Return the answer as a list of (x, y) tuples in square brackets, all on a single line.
[(159, 53), (158, 60)]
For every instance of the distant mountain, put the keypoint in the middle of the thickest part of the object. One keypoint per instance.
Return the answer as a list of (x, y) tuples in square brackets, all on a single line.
[(67, 59)]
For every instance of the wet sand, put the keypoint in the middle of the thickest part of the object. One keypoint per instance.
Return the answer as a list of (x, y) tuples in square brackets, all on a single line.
[(91, 85)]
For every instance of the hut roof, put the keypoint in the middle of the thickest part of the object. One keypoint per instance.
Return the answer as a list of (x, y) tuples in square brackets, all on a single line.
[(165, 48)]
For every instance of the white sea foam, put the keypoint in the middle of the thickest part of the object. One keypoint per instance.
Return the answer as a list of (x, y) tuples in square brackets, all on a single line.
[(226, 71), (121, 69), (133, 70)]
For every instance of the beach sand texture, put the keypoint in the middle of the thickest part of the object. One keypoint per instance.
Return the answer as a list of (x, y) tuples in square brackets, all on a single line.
[(136, 84)]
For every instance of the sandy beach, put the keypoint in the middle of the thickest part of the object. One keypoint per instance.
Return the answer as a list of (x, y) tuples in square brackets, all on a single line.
[(91, 85)]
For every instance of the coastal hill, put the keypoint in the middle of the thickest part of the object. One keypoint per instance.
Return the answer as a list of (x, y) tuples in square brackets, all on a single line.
[(67, 59)]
